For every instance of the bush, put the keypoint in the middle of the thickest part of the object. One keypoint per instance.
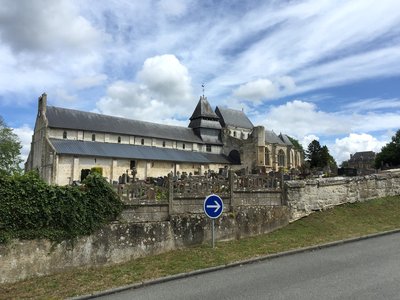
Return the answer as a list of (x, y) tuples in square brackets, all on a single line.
[(30, 208), (98, 170)]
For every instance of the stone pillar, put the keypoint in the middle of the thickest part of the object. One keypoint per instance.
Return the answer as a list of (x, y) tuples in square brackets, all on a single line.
[(113, 175), (231, 179), (75, 169), (274, 160), (56, 171), (170, 194)]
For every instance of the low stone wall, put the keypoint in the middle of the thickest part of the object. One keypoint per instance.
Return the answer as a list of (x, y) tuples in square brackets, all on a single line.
[(272, 198), (150, 212), (121, 242), (304, 197)]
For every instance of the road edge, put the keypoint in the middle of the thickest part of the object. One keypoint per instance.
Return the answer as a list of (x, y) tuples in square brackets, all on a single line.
[(230, 265)]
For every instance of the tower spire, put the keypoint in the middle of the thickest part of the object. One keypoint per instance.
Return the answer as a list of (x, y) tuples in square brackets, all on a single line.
[(203, 85)]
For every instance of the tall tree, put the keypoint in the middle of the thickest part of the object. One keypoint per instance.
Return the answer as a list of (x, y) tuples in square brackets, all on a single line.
[(313, 154), (319, 157), (390, 153), (10, 150)]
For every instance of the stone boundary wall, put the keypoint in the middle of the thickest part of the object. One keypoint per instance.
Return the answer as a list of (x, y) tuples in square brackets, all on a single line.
[(160, 211), (120, 242), (305, 196)]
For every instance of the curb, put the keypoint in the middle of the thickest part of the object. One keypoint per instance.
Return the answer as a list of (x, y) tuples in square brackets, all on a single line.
[(230, 265)]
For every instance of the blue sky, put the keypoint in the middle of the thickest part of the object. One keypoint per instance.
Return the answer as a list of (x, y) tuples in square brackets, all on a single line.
[(326, 70)]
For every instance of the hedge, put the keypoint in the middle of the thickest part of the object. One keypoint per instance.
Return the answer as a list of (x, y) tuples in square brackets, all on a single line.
[(30, 208)]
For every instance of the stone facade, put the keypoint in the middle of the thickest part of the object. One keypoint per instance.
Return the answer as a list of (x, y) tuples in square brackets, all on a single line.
[(240, 148)]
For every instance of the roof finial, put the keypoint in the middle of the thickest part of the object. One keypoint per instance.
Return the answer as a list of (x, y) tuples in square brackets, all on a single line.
[(203, 85)]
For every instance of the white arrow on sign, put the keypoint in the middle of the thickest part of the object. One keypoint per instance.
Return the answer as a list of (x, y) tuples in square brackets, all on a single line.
[(216, 206)]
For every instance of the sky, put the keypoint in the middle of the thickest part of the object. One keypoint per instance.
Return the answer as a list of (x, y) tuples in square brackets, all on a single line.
[(327, 70)]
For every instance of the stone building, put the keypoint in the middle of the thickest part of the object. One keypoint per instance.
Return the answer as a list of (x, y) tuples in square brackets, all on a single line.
[(67, 142), (363, 162)]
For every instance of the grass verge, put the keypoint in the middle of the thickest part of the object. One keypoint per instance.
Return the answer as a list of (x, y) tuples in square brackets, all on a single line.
[(346, 221)]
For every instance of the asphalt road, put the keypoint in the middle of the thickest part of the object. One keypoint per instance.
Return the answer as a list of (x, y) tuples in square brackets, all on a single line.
[(367, 269)]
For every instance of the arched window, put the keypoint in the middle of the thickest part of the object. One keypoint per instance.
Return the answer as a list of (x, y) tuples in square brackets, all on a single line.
[(119, 140), (93, 137), (183, 146), (281, 158), (267, 161), (163, 143), (64, 135), (142, 141)]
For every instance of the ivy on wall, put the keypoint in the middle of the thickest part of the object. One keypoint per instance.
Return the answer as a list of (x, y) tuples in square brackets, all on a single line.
[(30, 208)]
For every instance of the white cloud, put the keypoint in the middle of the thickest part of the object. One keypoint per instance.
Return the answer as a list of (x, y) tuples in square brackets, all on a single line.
[(299, 118), (163, 92), (173, 7), (342, 148), (265, 89), (257, 90), (89, 81), (45, 25), (166, 77), (373, 104), (24, 134)]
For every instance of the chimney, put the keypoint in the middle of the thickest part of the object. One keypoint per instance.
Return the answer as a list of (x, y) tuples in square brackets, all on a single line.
[(42, 103)]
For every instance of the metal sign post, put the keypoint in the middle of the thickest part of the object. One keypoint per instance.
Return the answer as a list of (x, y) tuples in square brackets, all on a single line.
[(213, 207)]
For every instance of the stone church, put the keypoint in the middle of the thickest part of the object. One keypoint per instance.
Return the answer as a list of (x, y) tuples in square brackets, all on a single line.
[(66, 142)]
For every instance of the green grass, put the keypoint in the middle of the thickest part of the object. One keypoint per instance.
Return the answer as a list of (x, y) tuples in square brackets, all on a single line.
[(346, 221)]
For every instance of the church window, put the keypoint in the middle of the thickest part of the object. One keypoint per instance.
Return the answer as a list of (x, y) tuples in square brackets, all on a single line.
[(234, 133), (142, 141), (93, 137), (281, 158), (163, 143), (64, 135), (208, 148), (119, 140), (183, 146), (267, 156)]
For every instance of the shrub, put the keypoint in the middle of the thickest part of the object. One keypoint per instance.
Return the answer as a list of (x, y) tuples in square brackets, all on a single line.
[(98, 170), (30, 208)]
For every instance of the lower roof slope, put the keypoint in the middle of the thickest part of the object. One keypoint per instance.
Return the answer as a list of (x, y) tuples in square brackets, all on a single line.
[(85, 148)]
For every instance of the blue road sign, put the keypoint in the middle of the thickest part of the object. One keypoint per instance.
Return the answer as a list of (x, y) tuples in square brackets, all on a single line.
[(213, 206)]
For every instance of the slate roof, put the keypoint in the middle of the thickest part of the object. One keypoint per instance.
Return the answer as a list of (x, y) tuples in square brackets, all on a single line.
[(80, 120), (363, 156), (233, 117), (203, 109), (85, 148), (285, 139), (272, 138)]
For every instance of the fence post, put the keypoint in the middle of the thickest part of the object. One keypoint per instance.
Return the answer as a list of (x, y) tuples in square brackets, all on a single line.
[(282, 190), (170, 194), (231, 192)]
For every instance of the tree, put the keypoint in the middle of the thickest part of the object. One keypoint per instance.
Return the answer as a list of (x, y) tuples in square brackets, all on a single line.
[(10, 150), (319, 157), (390, 153), (313, 154)]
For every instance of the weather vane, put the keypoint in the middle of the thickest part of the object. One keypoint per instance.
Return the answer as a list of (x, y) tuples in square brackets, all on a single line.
[(203, 85)]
